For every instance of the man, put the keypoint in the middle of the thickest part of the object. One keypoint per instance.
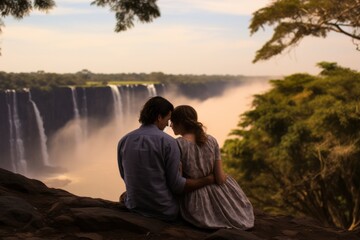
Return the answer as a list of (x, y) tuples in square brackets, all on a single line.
[(149, 163)]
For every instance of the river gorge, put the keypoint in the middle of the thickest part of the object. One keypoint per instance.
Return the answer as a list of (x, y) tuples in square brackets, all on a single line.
[(67, 137)]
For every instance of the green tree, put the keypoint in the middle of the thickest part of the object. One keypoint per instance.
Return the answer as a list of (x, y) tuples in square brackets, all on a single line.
[(297, 151), (295, 19), (126, 11)]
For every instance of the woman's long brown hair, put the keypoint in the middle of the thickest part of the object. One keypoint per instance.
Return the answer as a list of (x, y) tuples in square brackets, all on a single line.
[(186, 117)]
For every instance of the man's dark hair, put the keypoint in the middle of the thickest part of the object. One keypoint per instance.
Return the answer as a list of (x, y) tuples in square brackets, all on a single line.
[(154, 107)]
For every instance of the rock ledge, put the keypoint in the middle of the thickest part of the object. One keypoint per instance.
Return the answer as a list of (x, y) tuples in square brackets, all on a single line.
[(31, 210)]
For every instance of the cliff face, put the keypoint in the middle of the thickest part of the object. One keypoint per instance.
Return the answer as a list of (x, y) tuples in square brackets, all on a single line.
[(4, 132), (30, 118), (31, 210)]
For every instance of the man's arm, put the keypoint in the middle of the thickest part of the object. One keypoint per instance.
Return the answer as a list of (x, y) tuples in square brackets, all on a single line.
[(119, 158), (194, 184)]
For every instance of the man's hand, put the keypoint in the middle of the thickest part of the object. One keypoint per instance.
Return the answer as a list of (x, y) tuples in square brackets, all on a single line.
[(194, 184)]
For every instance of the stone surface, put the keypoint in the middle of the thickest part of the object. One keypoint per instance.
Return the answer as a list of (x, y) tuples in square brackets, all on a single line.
[(31, 210)]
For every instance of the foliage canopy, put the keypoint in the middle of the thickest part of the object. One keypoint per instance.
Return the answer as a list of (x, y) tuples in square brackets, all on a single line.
[(297, 151), (126, 11), (295, 19)]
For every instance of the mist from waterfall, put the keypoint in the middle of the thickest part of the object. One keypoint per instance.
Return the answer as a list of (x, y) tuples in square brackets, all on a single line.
[(92, 169)]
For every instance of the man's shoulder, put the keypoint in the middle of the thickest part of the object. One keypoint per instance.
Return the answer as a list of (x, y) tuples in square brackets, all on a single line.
[(160, 136), (164, 136), (128, 134), (150, 131)]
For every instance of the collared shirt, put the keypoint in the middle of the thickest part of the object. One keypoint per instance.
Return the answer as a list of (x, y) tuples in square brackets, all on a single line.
[(149, 161)]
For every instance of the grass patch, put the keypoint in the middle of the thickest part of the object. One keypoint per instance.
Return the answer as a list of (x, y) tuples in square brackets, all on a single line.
[(99, 84)]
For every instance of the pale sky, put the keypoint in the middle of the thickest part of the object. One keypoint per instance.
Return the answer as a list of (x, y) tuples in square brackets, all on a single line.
[(190, 37)]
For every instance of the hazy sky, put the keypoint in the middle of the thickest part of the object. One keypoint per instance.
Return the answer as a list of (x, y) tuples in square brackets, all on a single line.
[(190, 37)]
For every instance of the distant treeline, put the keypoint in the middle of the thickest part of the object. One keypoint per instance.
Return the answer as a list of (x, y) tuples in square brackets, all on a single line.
[(85, 78)]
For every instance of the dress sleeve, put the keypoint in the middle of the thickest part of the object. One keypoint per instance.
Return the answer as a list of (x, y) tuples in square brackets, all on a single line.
[(216, 149)]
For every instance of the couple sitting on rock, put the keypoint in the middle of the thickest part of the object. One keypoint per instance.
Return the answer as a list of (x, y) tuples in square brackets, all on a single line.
[(165, 176)]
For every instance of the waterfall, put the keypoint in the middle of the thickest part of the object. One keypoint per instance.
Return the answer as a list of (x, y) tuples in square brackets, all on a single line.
[(43, 139), (74, 97), (152, 90), (11, 140), (17, 150), (78, 128), (19, 144), (129, 95), (84, 113), (117, 103), (125, 93), (132, 99)]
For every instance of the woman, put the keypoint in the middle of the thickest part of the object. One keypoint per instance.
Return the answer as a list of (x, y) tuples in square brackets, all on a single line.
[(221, 205)]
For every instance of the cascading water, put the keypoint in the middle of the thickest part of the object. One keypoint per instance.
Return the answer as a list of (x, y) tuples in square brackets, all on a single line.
[(152, 90), (43, 138), (78, 128), (84, 113), (129, 96), (125, 92), (118, 109), (74, 97), (12, 138), (17, 151)]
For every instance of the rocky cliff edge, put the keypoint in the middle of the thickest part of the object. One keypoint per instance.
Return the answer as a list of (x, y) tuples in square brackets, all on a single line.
[(31, 210)]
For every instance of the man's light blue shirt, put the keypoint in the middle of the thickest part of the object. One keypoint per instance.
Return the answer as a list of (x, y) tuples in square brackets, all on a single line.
[(149, 161)]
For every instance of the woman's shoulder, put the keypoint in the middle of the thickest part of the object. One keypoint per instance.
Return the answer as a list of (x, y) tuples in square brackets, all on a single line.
[(182, 140), (211, 138)]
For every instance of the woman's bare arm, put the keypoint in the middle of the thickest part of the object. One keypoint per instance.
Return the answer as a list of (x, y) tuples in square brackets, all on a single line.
[(219, 174), (194, 184)]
